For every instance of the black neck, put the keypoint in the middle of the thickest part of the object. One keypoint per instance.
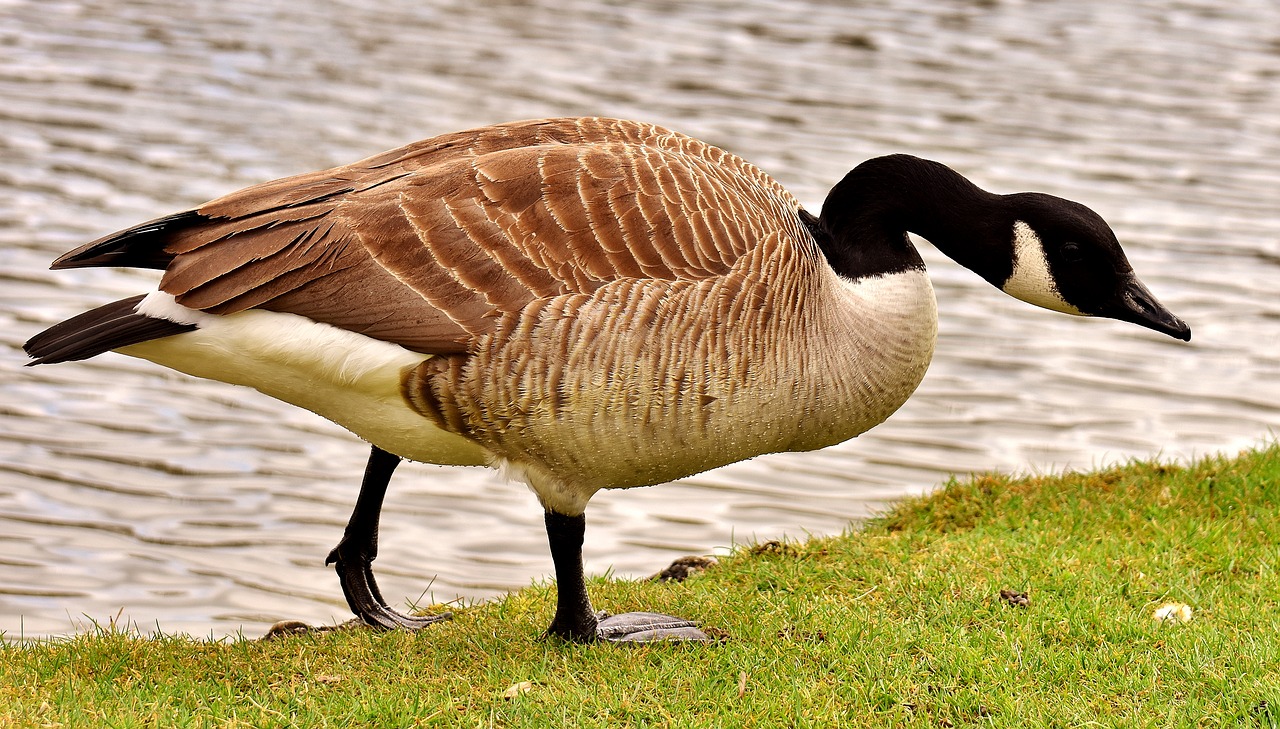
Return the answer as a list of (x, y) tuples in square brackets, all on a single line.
[(866, 217)]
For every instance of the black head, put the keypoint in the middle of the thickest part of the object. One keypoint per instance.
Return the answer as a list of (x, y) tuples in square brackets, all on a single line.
[(1039, 248), (1065, 257)]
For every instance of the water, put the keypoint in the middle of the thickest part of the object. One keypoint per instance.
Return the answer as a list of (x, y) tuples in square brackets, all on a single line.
[(192, 506)]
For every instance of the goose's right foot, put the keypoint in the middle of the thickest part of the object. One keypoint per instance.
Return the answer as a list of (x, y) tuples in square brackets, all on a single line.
[(355, 572), (354, 555)]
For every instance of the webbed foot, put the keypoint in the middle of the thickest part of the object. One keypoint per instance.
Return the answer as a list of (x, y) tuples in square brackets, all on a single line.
[(358, 548), (576, 621), (355, 572), (643, 627)]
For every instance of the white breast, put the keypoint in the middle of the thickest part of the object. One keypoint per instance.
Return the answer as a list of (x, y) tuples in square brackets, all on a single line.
[(875, 350), (650, 404)]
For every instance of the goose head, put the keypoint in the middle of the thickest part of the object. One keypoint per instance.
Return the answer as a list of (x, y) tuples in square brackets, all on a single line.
[(1045, 250), (1064, 257)]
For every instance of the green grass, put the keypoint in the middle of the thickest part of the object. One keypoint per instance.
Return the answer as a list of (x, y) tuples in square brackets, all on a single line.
[(898, 623)]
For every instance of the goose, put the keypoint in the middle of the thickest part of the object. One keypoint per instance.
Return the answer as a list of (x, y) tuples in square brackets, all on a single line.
[(585, 304)]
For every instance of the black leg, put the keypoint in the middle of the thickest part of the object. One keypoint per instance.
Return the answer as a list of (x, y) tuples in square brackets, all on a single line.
[(575, 620), (354, 555)]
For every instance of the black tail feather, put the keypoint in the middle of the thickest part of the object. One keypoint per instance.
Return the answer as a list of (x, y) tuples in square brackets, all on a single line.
[(99, 330)]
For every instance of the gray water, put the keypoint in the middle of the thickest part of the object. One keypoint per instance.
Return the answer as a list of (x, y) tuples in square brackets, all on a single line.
[(192, 506)]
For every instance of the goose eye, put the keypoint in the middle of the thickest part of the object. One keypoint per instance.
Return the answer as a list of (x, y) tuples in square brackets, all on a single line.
[(1071, 253)]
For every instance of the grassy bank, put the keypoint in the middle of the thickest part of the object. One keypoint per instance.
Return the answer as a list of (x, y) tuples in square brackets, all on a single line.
[(902, 622)]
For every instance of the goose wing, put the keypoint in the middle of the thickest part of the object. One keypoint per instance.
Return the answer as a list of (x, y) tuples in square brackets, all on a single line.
[(427, 246)]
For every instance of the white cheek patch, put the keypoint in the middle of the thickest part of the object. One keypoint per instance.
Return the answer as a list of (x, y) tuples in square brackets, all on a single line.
[(1031, 280)]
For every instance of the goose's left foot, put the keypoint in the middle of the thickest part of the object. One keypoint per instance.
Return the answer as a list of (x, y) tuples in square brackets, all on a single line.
[(644, 627), (354, 555), (576, 621)]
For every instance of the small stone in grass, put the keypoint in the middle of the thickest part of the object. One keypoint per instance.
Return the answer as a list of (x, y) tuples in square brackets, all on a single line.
[(1014, 598), (516, 689), (297, 627), (286, 627), (684, 568), (1172, 612)]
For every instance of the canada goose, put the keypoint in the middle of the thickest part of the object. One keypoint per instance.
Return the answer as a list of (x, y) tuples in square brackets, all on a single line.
[(585, 303)]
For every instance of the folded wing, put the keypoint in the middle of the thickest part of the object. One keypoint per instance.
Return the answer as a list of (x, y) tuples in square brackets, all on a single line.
[(429, 245)]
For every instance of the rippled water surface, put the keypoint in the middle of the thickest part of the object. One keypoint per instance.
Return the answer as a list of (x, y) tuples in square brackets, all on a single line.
[(200, 507)]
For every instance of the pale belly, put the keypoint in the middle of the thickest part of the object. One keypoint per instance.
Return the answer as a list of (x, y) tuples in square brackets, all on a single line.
[(619, 412), (348, 378)]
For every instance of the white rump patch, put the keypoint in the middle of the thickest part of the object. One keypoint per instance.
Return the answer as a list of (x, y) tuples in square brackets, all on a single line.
[(1032, 281), (161, 305)]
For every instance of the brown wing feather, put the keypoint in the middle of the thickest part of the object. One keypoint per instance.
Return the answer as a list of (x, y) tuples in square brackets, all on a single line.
[(431, 244)]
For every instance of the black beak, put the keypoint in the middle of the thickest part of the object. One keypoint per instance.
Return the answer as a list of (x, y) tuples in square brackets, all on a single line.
[(1137, 305)]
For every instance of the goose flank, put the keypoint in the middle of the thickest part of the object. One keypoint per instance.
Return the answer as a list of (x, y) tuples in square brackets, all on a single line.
[(584, 303)]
